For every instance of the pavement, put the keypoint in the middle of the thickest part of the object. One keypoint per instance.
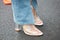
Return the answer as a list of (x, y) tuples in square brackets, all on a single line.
[(49, 12)]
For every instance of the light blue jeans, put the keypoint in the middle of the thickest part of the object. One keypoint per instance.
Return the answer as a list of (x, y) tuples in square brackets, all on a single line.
[(22, 11)]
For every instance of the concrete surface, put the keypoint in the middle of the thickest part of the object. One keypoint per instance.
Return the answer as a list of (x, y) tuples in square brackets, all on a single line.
[(49, 12)]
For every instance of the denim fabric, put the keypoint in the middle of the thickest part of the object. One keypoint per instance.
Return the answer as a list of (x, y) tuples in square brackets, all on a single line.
[(22, 11), (34, 4)]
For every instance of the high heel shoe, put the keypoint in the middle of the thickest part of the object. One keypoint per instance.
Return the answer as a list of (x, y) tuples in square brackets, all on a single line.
[(38, 21), (32, 30)]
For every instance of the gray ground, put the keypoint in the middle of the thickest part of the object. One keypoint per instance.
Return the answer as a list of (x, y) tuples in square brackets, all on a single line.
[(49, 12)]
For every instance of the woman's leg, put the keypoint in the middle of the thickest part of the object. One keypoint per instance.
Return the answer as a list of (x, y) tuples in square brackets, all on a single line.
[(38, 21), (22, 13), (34, 12)]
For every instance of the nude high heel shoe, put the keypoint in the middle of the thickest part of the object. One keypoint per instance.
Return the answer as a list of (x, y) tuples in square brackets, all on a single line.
[(32, 31), (38, 21)]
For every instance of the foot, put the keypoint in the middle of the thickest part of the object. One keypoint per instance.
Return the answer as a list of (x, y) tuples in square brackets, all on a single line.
[(38, 21), (31, 30)]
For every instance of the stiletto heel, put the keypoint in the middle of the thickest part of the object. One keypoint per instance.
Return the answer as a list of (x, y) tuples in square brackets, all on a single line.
[(18, 28)]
